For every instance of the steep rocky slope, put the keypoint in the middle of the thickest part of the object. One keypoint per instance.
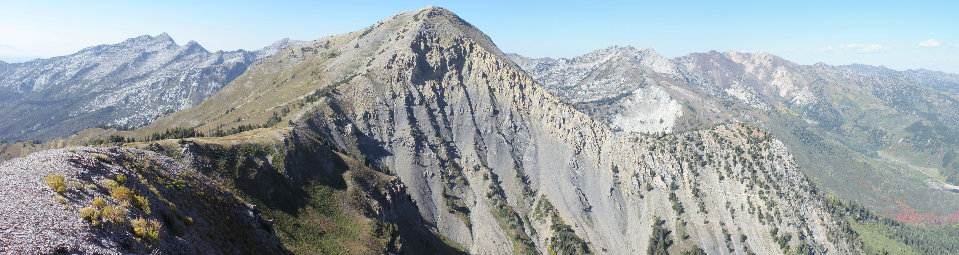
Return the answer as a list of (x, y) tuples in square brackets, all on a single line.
[(497, 164), (866, 133), (121, 201), (123, 85)]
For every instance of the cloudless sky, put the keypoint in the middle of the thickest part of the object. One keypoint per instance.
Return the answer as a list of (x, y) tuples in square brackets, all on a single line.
[(897, 34)]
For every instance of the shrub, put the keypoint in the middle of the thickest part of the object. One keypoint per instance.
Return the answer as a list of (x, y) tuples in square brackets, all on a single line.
[(76, 185), (91, 186), (110, 184), (146, 229), (121, 178), (90, 214), (56, 182), (99, 202), (101, 157), (114, 214), (142, 202), (659, 240), (122, 194)]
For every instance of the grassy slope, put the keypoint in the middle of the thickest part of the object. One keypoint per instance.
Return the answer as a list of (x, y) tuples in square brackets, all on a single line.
[(329, 210)]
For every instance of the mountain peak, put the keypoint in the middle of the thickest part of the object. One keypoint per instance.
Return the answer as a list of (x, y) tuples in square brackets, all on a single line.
[(433, 8), (163, 37), (427, 23)]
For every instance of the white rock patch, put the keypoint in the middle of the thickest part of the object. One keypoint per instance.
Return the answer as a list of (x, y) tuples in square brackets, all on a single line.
[(648, 110)]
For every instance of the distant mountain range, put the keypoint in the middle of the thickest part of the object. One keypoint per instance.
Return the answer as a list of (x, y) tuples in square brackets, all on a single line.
[(121, 85), (417, 135), (857, 130)]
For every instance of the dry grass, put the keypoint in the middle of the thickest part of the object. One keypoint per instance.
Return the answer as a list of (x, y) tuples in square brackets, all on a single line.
[(101, 157)]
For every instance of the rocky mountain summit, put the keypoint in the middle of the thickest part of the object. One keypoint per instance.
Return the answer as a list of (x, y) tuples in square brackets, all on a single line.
[(122, 85), (496, 164)]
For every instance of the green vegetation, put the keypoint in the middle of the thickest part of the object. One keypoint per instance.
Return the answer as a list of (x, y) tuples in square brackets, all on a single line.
[(99, 202), (122, 194), (564, 240), (677, 207), (56, 182), (114, 214), (329, 213), (235, 130), (659, 239), (142, 202), (695, 251), (880, 234), (875, 240), (110, 184), (90, 214), (782, 240), (175, 133), (146, 229), (508, 219)]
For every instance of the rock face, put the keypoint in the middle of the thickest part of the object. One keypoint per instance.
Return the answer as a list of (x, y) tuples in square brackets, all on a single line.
[(187, 212), (123, 85), (498, 165), (613, 86), (833, 118)]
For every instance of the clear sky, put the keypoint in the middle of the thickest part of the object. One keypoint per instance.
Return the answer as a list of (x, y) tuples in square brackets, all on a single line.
[(896, 34)]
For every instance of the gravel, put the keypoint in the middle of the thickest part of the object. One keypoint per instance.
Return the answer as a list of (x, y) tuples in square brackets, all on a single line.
[(32, 220), (208, 219)]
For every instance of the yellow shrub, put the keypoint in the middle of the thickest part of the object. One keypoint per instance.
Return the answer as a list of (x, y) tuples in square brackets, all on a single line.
[(110, 184), (56, 182), (114, 214), (76, 185), (122, 194), (146, 229), (90, 214), (121, 178), (99, 202), (142, 202)]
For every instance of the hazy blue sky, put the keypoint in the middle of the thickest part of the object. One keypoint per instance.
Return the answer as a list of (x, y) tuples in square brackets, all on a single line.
[(897, 34)]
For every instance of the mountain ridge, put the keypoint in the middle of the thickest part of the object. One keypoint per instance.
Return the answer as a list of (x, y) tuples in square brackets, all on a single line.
[(820, 110), (121, 85), (417, 135), (410, 94)]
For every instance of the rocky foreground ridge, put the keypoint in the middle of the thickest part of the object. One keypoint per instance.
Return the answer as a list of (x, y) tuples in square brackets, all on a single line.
[(122, 201)]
